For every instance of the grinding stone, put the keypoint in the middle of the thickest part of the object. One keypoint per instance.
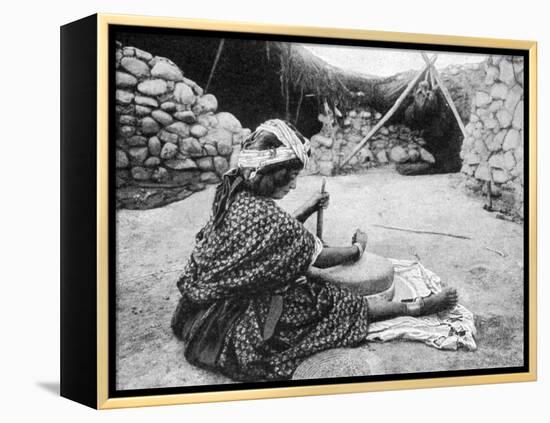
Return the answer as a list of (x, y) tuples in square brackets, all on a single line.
[(371, 275)]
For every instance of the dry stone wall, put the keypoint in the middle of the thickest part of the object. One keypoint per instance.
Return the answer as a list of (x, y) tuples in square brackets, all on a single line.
[(169, 132), (492, 152), (391, 144)]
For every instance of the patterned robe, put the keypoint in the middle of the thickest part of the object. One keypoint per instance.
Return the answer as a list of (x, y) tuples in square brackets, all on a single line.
[(247, 310)]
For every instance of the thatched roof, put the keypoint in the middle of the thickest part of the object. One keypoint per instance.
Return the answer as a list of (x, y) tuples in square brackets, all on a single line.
[(257, 80), (315, 76)]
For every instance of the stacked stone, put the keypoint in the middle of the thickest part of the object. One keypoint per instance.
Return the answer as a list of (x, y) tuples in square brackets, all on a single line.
[(493, 148), (462, 82), (168, 130), (390, 144)]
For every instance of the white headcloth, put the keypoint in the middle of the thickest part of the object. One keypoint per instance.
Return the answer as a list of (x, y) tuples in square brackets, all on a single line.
[(293, 147)]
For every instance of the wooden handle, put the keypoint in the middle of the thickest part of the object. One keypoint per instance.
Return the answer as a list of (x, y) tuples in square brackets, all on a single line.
[(320, 213)]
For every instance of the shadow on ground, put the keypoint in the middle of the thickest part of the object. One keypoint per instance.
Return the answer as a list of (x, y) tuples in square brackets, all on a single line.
[(50, 387)]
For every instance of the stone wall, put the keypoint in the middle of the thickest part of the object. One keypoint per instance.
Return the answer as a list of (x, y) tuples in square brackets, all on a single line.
[(493, 150), (396, 143), (391, 144), (169, 132)]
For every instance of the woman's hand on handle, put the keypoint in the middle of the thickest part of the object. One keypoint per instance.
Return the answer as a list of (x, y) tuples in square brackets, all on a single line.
[(317, 201)]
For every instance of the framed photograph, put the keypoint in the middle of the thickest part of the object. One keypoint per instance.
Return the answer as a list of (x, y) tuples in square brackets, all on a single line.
[(253, 211)]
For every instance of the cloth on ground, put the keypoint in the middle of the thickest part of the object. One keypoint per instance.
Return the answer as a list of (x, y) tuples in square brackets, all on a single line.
[(448, 330)]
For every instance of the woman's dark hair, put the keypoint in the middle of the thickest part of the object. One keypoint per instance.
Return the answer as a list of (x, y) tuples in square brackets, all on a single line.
[(268, 179)]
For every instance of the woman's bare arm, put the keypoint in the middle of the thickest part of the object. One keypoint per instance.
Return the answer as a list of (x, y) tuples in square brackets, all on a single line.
[(334, 256), (302, 213), (317, 201)]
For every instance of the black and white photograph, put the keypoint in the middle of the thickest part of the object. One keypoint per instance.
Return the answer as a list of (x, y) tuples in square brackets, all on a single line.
[(292, 211)]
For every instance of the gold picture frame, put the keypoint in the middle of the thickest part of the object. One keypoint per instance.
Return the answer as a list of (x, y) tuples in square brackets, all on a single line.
[(97, 394)]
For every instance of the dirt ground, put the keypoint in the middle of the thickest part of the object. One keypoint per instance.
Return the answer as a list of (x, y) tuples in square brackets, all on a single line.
[(153, 245)]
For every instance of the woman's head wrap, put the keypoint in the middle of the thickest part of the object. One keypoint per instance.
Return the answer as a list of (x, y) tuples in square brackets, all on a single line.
[(294, 147)]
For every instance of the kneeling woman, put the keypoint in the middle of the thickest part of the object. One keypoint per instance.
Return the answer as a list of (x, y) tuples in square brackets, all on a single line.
[(252, 306)]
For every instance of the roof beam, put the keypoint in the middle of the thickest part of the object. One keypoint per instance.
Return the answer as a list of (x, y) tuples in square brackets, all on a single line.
[(218, 54), (445, 92)]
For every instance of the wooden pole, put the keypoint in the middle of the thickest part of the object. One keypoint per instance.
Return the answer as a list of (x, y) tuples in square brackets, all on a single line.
[(446, 94), (388, 115), (299, 105), (320, 213), (218, 54), (287, 84), (432, 80)]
